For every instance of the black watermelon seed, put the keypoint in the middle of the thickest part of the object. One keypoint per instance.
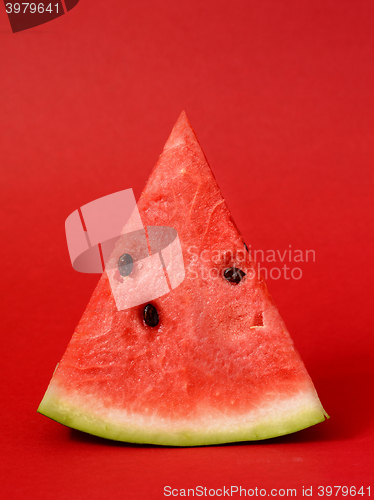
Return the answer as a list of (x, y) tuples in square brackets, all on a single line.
[(246, 247), (234, 275), (150, 315), (125, 264)]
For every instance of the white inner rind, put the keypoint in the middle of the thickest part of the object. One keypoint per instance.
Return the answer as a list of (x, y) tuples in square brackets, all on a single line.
[(275, 418)]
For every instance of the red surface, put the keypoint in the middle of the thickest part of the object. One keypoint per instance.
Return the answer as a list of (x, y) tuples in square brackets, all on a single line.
[(281, 96)]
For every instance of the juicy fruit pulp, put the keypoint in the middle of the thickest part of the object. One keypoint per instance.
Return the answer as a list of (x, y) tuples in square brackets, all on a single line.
[(219, 365)]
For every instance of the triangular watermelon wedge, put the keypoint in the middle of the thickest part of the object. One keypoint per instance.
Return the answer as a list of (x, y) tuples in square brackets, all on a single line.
[(219, 366)]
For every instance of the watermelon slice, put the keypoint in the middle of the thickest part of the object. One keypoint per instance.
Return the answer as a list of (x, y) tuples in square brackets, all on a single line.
[(215, 363)]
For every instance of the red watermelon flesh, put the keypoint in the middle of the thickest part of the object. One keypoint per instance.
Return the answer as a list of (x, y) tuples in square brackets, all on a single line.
[(220, 366)]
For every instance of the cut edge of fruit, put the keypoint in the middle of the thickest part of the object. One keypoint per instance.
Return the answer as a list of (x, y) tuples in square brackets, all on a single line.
[(277, 419)]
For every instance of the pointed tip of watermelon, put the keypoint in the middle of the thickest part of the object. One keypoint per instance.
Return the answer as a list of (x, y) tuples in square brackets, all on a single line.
[(181, 134)]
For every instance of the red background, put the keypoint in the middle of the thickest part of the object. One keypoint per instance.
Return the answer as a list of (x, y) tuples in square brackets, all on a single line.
[(280, 94)]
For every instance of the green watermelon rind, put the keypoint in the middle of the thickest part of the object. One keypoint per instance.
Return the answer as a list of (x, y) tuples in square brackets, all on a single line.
[(292, 415)]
